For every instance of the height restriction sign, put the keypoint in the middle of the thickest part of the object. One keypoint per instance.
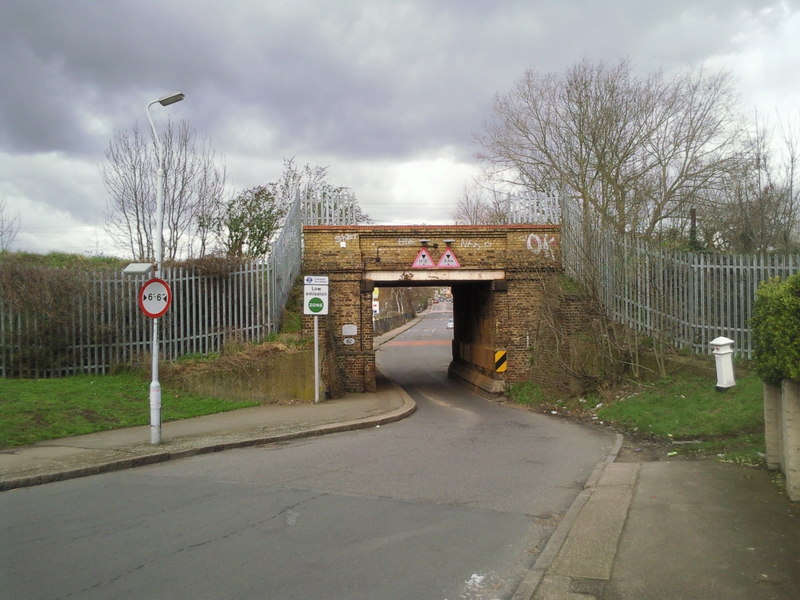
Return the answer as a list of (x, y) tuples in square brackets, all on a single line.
[(155, 296)]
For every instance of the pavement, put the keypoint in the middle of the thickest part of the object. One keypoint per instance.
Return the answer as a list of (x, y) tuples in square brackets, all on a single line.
[(663, 530), (672, 530), (82, 455)]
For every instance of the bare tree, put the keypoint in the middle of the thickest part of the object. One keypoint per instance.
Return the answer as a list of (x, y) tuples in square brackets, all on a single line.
[(9, 226), (195, 184), (313, 187), (634, 151), (483, 204), (755, 208), (789, 175), (305, 181), (472, 207), (194, 190)]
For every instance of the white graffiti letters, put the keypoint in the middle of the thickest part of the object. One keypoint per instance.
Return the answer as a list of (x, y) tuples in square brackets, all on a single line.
[(543, 245)]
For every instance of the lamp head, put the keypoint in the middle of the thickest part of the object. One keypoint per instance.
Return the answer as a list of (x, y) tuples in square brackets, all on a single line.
[(171, 99)]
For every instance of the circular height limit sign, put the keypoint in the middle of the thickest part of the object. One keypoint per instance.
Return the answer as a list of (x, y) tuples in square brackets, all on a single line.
[(155, 296)]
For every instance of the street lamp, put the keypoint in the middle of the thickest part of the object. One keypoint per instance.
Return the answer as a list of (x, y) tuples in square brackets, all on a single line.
[(161, 179)]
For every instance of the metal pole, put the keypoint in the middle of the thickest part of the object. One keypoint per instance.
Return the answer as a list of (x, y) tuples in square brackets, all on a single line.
[(158, 235), (155, 385), (316, 358), (155, 392)]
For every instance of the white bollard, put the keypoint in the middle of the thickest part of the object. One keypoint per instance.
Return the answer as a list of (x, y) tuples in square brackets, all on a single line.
[(723, 354)]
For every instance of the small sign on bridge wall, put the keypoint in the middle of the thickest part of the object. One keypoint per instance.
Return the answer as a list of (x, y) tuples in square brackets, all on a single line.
[(500, 361), (448, 260), (423, 260)]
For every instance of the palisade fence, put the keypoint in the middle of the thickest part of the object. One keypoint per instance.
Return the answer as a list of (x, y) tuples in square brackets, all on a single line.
[(685, 299), (108, 328), (99, 324), (325, 209), (538, 208)]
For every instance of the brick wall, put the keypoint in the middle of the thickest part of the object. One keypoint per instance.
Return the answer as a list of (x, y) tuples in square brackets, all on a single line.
[(496, 289)]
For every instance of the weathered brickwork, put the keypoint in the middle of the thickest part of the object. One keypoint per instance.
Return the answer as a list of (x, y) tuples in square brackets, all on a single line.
[(495, 273)]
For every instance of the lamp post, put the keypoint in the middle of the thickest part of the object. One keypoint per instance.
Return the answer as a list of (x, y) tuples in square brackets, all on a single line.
[(161, 178)]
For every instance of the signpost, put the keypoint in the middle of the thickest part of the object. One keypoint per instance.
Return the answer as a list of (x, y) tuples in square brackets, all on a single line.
[(155, 297), (315, 302)]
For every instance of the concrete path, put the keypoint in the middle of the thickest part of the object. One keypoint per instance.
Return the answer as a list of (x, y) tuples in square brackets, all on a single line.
[(673, 530), (83, 455)]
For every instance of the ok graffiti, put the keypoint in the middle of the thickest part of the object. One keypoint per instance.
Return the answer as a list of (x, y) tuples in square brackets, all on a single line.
[(542, 245)]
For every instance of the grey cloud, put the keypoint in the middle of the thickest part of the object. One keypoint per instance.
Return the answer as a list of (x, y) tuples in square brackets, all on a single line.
[(348, 80), (358, 78)]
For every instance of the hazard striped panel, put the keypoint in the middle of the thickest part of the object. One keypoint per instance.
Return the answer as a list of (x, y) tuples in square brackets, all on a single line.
[(500, 361)]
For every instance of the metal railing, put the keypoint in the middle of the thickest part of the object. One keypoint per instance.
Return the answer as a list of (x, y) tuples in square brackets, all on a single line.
[(100, 324), (686, 298)]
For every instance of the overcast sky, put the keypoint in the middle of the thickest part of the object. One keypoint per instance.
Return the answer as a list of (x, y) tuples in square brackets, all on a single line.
[(387, 94)]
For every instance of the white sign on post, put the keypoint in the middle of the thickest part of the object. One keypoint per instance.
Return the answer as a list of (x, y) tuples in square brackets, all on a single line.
[(315, 299), (315, 302), (155, 297), (315, 279)]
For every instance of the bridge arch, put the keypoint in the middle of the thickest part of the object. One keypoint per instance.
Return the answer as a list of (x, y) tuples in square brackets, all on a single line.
[(495, 273)]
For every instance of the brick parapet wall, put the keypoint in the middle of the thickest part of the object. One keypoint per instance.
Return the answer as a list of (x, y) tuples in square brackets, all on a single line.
[(359, 248)]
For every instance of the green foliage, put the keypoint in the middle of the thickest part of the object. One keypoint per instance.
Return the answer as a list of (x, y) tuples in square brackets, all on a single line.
[(677, 240), (249, 221), (292, 318), (568, 285), (689, 407), (45, 296), (61, 260), (526, 393), (41, 409), (292, 322), (728, 425), (776, 330)]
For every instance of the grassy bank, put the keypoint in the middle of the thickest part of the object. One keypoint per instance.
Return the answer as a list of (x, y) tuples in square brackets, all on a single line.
[(684, 413), (32, 410)]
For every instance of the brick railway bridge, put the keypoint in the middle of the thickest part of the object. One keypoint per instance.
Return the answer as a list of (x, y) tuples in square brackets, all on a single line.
[(495, 273)]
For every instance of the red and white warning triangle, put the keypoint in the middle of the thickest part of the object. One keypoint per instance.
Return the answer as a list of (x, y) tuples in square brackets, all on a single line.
[(448, 260), (423, 260)]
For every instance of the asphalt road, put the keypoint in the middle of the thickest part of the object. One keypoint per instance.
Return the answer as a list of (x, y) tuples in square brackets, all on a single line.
[(453, 503)]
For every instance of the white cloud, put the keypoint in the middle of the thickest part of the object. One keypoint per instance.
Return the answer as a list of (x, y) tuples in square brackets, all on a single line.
[(422, 190), (59, 200)]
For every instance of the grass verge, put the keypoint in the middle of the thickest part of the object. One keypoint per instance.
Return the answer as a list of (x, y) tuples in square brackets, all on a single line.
[(32, 410), (684, 413)]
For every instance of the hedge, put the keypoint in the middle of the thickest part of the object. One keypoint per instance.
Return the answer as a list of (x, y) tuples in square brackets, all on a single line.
[(776, 330)]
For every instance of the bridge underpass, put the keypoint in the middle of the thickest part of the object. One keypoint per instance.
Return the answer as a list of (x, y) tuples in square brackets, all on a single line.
[(495, 273)]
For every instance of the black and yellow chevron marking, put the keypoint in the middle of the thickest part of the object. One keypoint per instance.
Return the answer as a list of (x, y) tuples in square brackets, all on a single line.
[(500, 363)]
